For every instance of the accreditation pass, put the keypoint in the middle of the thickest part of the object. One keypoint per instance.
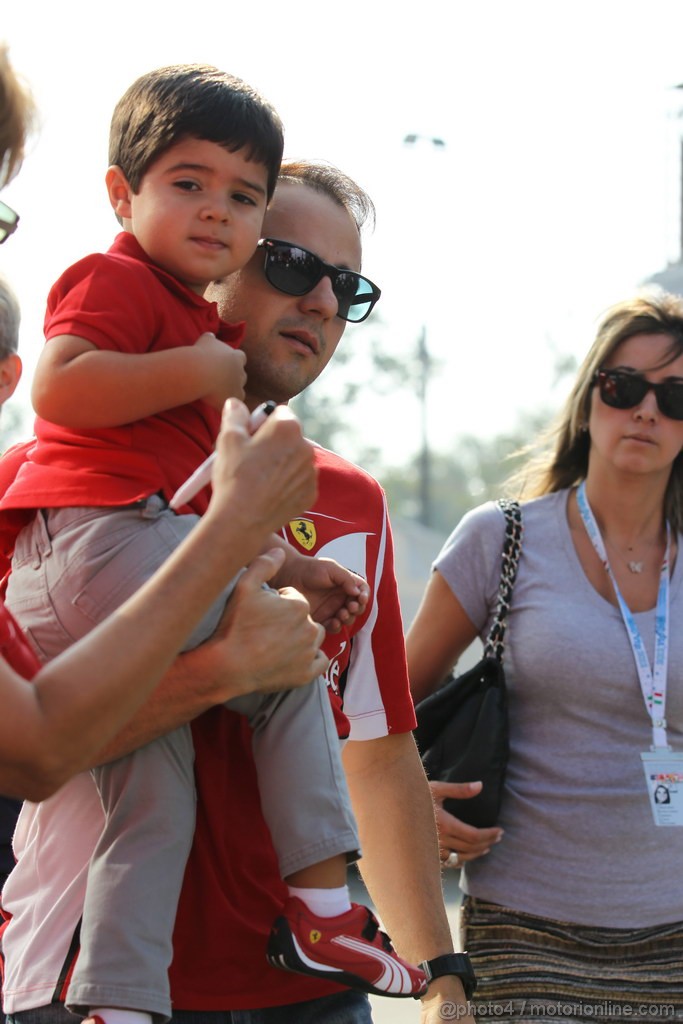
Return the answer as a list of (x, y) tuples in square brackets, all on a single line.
[(664, 779)]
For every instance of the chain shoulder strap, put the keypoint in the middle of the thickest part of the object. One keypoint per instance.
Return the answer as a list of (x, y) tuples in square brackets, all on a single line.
[(512, 549)]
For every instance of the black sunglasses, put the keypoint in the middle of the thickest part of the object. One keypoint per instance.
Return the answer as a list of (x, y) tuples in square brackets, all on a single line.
[(8, 221), (296, 271), (623, 390)]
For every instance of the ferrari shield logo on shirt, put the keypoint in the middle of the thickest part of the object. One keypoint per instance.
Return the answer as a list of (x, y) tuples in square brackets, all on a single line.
[(304, 532)]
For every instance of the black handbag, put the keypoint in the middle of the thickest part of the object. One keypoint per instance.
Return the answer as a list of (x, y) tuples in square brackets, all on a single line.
[(462, 728)]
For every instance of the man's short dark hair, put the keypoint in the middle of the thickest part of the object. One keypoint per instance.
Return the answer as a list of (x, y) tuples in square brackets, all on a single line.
[(337, 186), (173, 103)]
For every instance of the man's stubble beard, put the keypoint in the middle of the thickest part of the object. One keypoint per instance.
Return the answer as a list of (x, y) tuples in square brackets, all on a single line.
[(280, 382)]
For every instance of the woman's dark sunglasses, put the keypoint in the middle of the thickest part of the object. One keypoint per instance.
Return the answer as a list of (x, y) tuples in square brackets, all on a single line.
[(296, 271), (8, 222), (624, 390)]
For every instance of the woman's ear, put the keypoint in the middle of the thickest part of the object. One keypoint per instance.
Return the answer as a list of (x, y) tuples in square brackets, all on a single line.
[(120, 192)]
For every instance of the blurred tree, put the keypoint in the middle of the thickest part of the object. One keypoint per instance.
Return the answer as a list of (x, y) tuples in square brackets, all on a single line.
[(474, 472), (362, 365)]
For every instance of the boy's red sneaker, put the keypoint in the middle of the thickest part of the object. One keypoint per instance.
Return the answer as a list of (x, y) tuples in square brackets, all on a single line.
[(349, 949)]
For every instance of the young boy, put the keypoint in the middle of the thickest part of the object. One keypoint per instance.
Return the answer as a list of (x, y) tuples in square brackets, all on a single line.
[(128, 392)]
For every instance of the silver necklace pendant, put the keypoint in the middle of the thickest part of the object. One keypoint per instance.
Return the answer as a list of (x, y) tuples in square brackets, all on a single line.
[(635, 567)]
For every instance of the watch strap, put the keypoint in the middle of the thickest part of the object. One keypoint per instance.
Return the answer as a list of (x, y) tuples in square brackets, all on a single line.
[(457, 964)]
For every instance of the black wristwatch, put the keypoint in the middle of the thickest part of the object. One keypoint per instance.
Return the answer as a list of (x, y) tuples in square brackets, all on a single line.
[(458, 964)]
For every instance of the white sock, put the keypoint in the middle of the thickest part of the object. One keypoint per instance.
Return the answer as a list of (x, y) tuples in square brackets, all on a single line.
[(118, 1016), (323, 902)]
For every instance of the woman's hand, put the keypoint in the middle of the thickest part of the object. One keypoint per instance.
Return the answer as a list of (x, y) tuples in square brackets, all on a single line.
[(459, 842)]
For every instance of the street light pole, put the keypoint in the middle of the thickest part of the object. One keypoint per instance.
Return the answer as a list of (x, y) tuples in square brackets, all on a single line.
[(425, 458), (425, 453), (680, 186)]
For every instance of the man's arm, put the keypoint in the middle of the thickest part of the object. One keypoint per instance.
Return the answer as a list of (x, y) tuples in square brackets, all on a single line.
[(400, 864), (236, 652)]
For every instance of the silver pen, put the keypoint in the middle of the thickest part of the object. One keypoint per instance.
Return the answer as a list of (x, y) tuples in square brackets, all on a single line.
[(202, 474)]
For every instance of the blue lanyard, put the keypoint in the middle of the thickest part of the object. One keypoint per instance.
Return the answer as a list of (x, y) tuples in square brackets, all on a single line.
[(652, 682)]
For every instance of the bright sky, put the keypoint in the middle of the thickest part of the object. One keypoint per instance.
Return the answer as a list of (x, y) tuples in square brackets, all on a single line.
[(556, 193)]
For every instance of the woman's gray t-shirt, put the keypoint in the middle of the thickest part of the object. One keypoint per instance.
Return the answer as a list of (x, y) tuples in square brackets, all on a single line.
[(580, 843)]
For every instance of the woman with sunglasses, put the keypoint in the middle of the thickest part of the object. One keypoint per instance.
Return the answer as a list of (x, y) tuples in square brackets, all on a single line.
[(569, 902)]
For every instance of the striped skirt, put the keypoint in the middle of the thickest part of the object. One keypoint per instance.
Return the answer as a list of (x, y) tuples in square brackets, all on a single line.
[(533, 968)]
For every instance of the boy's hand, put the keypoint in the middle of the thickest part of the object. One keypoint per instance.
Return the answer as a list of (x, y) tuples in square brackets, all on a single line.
[(224, 368), (336, 595)]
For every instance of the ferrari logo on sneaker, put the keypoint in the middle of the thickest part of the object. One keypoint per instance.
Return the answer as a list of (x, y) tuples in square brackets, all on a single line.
[(351, 945), (304, 532)]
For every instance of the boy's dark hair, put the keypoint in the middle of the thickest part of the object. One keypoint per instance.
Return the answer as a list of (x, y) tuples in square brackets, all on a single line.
[(166, 106)]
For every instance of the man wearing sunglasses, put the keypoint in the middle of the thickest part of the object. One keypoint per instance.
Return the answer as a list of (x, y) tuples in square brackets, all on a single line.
[(296, 295)]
